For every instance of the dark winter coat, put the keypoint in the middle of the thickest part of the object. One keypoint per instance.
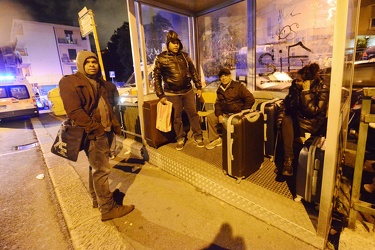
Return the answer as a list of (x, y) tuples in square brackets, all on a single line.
[(176, 71), (80, 101), (233, 99), (309, 108)]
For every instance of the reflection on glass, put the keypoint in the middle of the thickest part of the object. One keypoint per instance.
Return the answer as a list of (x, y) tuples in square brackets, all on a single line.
[(222, 42), (291, 34), (157, 23)]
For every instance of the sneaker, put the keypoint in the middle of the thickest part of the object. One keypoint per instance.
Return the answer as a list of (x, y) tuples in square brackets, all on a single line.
[(214, 144), (288, 167), (199, 143), (117, 212), (180, 144)]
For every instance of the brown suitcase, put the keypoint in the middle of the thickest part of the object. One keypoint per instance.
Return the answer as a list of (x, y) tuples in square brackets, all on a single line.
[(243, 135), (154, 137)]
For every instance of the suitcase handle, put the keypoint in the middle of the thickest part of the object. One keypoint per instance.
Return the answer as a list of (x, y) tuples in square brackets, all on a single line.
[(252, 116), (314, 182), (230, 152)]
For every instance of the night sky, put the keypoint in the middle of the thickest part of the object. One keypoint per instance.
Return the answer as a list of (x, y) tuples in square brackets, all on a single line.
[(109, 14)]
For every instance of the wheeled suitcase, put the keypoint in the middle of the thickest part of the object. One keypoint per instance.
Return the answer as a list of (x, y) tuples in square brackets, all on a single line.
[(310, 170), (154, 137), (269, 108), (242, 143)]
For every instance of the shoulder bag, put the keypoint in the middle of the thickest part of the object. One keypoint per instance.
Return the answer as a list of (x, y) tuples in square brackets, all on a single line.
[(69, 141)]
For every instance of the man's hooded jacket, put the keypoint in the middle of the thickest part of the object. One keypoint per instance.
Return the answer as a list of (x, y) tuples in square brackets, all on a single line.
[(81, 94)]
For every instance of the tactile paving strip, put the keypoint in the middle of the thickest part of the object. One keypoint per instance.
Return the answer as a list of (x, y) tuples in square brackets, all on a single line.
[(278, 210)]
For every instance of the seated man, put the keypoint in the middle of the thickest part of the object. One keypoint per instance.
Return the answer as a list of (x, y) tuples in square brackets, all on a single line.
[(232, 98)]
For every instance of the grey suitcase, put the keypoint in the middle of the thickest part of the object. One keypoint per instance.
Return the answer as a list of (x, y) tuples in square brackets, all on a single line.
[(310, 170)]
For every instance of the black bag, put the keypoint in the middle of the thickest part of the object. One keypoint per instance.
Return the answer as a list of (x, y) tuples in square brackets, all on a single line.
[(69, 141)]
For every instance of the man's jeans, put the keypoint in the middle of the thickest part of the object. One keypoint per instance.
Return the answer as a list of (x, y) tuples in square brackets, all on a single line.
[(215, 129), (187, 103), (97, 154)]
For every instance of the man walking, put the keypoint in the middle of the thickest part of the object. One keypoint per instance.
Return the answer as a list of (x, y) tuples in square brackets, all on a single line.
[(86, 104)]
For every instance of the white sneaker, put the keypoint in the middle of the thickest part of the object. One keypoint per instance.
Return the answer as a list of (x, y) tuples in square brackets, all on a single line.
[(214, 144), (180, 144), (199, 143)]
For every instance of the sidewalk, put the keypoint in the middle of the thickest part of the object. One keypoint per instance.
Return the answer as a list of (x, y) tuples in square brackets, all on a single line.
[(169, 212)]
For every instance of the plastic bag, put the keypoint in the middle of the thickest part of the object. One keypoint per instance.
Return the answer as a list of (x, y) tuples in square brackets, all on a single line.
[(163, 117)]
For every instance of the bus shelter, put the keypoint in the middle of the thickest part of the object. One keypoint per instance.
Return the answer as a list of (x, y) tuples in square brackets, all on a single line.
[(253, 38)]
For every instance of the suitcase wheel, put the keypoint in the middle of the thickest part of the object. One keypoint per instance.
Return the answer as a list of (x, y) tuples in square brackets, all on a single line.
[(238, 180)]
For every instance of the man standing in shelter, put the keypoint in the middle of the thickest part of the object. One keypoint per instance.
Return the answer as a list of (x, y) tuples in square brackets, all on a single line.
[(232, 98), (86, 103), (176, 70)]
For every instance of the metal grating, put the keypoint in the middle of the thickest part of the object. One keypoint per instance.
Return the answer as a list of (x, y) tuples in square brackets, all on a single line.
[(264, 177)]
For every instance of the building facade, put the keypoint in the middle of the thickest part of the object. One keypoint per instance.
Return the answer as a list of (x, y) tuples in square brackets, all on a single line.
[(44, 52)]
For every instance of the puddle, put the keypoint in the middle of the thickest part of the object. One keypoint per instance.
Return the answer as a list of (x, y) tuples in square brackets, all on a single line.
[(26, 146)]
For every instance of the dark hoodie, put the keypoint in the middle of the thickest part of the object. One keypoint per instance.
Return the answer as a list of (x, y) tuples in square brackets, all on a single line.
[(81, 94)]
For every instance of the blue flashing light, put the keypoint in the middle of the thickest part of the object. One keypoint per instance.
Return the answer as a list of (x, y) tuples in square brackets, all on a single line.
[(7, 78)]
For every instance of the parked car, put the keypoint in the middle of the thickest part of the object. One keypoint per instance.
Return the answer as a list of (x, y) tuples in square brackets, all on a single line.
[(369, 53), (364, 76), (42, 101)]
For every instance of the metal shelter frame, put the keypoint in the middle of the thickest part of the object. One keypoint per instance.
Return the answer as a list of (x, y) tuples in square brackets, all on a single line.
[(345, 9)]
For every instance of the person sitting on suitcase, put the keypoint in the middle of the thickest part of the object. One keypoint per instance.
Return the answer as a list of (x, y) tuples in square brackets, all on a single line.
[(303, 111), (172, 75), (232, 98)]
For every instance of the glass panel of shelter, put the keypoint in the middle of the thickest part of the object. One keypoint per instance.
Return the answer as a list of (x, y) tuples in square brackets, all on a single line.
[(157, 22)]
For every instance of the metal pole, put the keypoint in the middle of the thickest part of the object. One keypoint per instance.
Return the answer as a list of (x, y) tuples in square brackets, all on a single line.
[(136, 62), (97, 43)]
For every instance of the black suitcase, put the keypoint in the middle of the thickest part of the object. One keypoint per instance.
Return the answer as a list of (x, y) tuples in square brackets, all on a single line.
[(310, 170), (269, 108), (154, 137), (243, 143)]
